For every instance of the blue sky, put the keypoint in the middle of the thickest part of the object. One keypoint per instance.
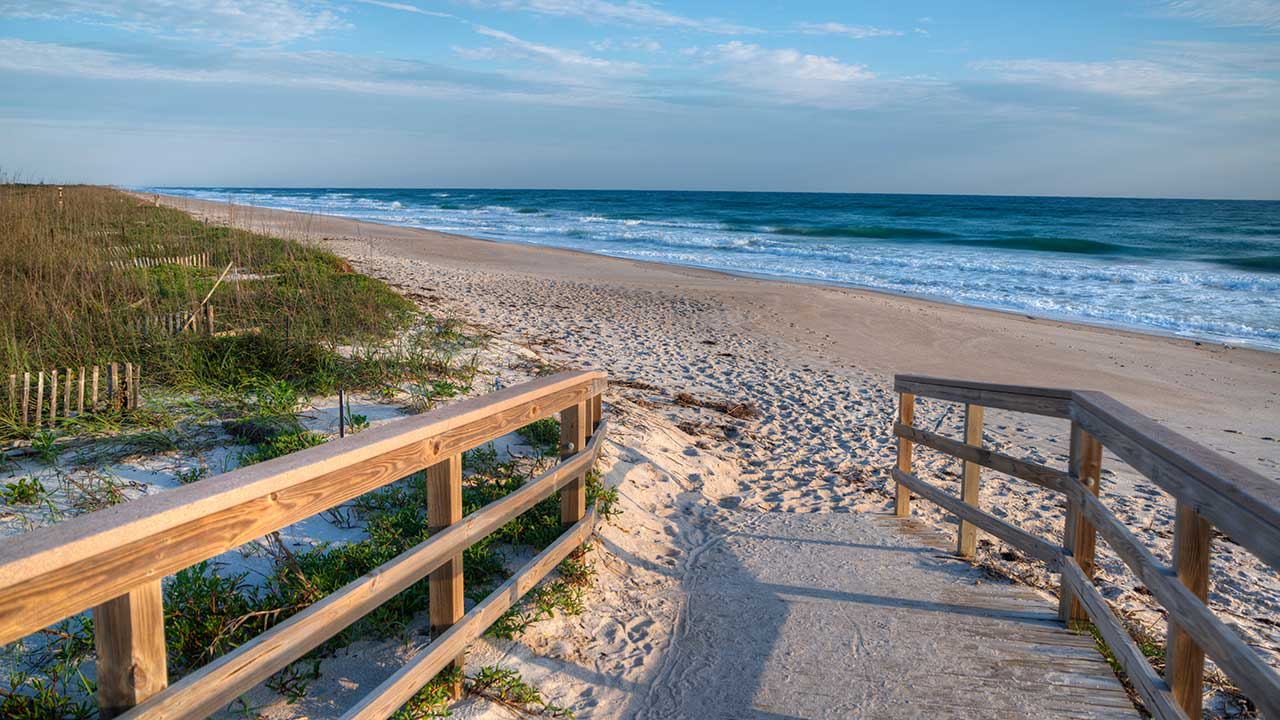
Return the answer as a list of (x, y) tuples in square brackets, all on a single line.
[(1173, 98)]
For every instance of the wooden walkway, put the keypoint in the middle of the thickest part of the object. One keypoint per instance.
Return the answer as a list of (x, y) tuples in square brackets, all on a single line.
[(849, 615)]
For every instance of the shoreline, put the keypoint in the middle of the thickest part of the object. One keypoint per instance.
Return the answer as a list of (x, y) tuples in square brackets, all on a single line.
[(1145, 332), (1226, 397)]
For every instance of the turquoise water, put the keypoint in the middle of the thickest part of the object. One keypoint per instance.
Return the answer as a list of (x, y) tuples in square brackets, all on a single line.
[(1204, 269)]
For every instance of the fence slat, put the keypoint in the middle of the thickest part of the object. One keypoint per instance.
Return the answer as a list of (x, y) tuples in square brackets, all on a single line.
[(128, 633), (444, 508), (1078, 534), (53, 396), (1015, 536), (94, 407), (80, 403), (971, 479), (573, 437), (1192, 542), (66, 394), (906, 416), (39, 397), (1150, 686)]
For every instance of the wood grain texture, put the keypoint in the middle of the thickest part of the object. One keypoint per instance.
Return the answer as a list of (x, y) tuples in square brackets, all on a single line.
[(1236, 500), (128, 634), (906, 417), (1078, 534), (1042, 475), (1192, 543), (444, 588), (970, 482), (1051, 402), (54, 572), (1017, 537), (388, 697), (210, 688), (1241, 663), (1149, 685), (574, 421)]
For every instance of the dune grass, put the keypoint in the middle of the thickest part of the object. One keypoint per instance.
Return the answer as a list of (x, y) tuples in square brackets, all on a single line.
[(70, 297)]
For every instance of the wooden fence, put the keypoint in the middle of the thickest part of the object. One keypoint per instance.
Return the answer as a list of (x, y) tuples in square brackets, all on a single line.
[(177, 323), (112, 560), (44, 397), (1209, 491), (196, 260)]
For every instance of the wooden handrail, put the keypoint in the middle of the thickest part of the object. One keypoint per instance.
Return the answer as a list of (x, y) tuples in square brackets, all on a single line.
[(210, 688), (1208, 488), (113, 560), (55, 572)]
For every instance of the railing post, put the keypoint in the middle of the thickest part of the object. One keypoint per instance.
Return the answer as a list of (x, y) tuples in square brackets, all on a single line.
[(574, 423), (1184, 669), (906, 416), (444, 584), (967, 532), (128, 633), (1079, 537)]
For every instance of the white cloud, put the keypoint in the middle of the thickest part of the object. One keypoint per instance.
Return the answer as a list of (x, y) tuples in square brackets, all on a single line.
[(230, 21), (405, 7), (1182, 74), (857, 32), (631, 44), (559, 56), (1117, 77), (1230, 13), (790, 75), (303, 70), (631, 12)]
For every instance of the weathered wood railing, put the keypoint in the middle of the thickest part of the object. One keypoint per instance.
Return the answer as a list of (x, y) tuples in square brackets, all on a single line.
[(1209, 490), (113, 560)]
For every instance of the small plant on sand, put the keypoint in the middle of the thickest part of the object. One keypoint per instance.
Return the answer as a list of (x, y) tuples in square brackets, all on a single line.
[(49, 681), (542, 435), (23, 491), (563, 594), (187, 476), (282, 445), (44, 445), (505, 687)]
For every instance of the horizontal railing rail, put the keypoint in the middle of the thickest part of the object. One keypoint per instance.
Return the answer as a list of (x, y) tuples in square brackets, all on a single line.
[(1209, 490), (112, 560)]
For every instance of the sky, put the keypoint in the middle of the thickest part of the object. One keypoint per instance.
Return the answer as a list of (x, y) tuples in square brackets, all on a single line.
[(1136, 98)]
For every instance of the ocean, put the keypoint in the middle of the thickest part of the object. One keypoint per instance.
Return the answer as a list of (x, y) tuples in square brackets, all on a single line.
[(1202, 269)]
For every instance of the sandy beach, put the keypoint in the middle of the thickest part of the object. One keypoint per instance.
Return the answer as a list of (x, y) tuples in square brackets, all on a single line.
[(816, 364)]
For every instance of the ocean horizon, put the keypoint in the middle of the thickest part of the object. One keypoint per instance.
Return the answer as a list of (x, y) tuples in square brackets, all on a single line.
[(1199, 269)]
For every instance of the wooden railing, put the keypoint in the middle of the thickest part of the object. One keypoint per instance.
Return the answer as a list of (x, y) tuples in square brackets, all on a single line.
[(1209, 491), (113, 560)]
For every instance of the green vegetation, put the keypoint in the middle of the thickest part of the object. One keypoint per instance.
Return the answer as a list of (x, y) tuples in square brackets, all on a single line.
[(289, 313), (23, 491)]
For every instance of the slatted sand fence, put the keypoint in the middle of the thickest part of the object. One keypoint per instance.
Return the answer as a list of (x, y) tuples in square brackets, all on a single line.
[(112, 561), (43, 397), (173, 324), (193, 260), (1209, 490)]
